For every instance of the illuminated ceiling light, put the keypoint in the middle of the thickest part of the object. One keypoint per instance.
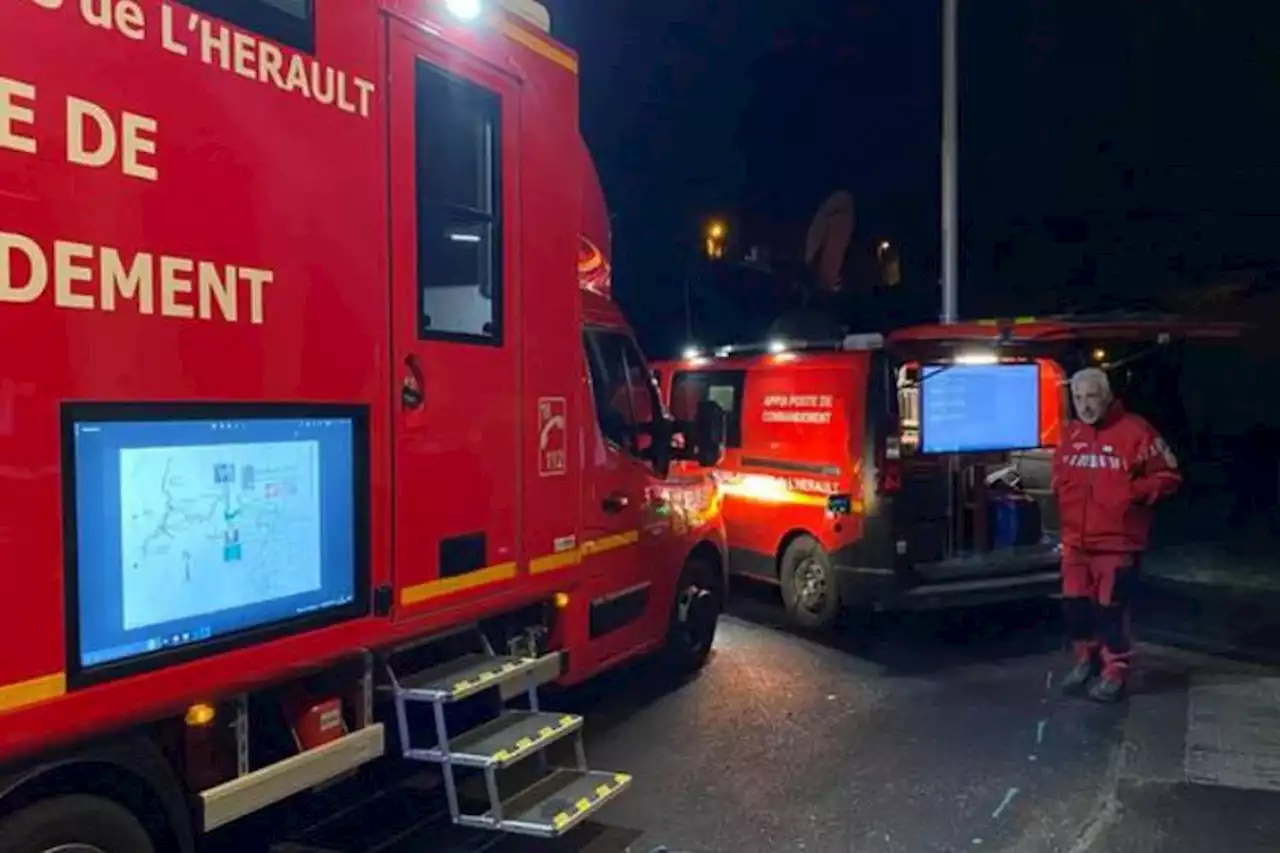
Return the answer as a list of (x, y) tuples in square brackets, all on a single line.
[(464, 10), (463, 237), (201, 714), (1099, 355), (977, 358)]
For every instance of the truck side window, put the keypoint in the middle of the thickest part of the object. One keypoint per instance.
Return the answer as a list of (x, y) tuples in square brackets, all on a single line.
[(459, 191), (289, 22), (625, 399), (723, 387)]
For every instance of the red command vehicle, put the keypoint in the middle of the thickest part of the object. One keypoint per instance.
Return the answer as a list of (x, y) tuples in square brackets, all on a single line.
[(830, 492), (312, 393)]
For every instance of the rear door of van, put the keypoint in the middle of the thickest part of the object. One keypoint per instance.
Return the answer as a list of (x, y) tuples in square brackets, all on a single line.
[(926, 516)]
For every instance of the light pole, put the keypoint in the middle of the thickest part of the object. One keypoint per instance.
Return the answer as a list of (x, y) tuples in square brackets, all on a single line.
[(950, 129)]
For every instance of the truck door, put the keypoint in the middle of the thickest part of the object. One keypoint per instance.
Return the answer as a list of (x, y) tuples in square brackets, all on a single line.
[(618, 494), (453, 128)]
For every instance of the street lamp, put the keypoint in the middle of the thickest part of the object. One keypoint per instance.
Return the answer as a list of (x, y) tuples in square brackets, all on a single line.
[(715, 233)]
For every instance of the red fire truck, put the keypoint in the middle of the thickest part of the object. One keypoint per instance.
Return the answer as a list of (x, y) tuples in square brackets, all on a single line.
[(313, 394)]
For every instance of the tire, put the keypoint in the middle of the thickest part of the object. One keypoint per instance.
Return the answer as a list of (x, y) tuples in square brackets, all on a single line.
[(695, 614), (75, 824), (809, 585)]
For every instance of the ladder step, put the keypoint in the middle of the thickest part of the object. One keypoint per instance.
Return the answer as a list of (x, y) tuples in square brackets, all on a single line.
[(502, 742), (463, 677), (554, 805)]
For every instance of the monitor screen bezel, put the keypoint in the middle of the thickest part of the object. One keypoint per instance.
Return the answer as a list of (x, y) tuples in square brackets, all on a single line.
[(928, 370), (83, 412)]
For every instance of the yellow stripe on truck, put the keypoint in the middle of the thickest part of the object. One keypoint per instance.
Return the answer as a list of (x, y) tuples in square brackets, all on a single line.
[(434, 589), (574, 556), (505, 571), (32, 691), (542, 47)]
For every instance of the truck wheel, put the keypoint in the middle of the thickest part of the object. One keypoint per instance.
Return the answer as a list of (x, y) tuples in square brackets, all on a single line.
[(74, 824), (808, 584), (695, 615)]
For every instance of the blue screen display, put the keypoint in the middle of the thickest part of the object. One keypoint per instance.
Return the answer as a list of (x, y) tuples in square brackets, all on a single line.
[(973, 408), (189, 530)]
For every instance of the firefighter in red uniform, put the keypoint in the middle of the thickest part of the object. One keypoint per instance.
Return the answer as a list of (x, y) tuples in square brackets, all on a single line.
[(1109, 470)]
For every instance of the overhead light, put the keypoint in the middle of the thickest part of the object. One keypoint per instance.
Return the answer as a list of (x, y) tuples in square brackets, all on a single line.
[(978, 358), (463, 237), (691, 353), (777, 347), (464, 10)]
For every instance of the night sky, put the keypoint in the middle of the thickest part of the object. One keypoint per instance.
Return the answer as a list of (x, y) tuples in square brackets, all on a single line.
[(1110, 151)]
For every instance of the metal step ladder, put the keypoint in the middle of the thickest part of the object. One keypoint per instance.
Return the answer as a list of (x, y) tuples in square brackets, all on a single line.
[(558, 801)]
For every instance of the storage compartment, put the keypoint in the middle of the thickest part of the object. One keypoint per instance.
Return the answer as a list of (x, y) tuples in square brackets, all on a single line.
[(967, 516)]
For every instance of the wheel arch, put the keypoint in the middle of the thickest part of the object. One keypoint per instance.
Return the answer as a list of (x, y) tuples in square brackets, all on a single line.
[(785, 543), (131, 771), (707, 550)]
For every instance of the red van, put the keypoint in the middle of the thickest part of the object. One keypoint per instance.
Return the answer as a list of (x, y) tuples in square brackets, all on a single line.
[(837, 487)]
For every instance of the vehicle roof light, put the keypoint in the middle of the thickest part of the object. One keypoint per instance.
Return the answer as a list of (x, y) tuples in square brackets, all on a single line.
[(464, 10), (691, 353), (777, 347), (978, 358)]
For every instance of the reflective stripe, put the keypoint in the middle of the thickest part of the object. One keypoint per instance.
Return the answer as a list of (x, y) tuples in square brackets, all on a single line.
[(444, 586), (542, 47), (574, 556), (32, 691)]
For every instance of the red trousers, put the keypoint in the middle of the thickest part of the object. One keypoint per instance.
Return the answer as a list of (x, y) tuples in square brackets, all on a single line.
[(1096, 589)]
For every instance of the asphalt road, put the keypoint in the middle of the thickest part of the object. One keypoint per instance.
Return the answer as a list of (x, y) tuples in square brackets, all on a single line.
[(921, 733), (934, 733)]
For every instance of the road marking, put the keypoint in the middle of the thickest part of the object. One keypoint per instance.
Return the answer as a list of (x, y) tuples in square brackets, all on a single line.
[(1004, 804)]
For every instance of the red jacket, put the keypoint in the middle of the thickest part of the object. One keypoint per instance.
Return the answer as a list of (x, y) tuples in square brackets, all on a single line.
[(1107, 477)]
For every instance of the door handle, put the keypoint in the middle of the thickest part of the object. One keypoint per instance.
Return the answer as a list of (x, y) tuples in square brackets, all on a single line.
[(615, 502), (412, 393)]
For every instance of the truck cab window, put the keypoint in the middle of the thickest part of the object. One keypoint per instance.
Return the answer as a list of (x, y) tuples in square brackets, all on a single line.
[(291, 23), (626, 401), (457, 124), (722, 387)]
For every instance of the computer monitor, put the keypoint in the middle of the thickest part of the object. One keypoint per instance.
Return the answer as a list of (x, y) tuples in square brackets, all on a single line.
[(193, 529), (979, 408)]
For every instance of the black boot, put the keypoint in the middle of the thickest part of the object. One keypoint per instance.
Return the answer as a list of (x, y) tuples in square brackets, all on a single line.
[(1107, 691), (1076, 681)]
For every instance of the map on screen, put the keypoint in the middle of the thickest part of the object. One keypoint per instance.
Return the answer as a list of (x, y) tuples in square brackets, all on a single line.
[(216, 527)]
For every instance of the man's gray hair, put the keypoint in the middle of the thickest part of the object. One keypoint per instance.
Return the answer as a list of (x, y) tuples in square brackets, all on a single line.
[(1092, 377)]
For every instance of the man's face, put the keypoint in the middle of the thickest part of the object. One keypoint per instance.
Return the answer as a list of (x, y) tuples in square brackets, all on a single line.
[(1091, 401)]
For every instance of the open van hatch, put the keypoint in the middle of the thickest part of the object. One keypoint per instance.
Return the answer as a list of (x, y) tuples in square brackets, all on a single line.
[(987, 520)]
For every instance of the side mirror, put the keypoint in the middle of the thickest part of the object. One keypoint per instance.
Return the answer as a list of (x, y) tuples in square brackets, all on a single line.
[(659, 451), (709, 430)]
